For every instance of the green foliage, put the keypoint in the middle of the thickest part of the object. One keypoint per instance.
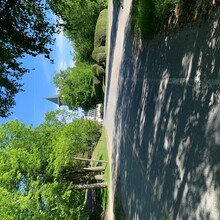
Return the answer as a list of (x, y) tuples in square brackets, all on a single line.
[(102, 109), (75, 144), (146, 15), (143, 17), (33, 184), (103, 3), (98, 71), (75, 85), (101, 58), (25, 29), (97, 51), (79, 20), (59, 117), (164, 8), (100, 29), (98, 90)]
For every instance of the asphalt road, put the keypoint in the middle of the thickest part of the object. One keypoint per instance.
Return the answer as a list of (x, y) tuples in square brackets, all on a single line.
[(162, 115)]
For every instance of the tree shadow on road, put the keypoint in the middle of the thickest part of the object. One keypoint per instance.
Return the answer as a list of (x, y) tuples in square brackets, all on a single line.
[(167, 124)]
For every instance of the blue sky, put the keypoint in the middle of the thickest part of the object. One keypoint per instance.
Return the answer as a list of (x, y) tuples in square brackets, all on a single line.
[(31, 104)]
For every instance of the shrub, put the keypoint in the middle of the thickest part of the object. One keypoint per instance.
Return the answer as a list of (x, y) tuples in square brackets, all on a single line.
[(101, 58), (97, 86), (143, 17), (147, 15), (97, 51), (100, 30), (164, 8), (98, 71)]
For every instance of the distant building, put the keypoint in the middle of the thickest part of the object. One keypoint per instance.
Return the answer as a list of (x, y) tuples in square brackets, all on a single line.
[(94, 114)]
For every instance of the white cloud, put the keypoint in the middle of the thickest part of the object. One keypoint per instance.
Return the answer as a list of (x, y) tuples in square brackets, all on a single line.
[(60, 42), (62, 65), (64, 57)]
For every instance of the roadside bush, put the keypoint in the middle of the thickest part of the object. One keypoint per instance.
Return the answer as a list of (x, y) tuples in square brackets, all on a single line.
[(143, 17), (164, 8), (101, 58), (100, 30), (98, 71), (148, 15), (97, 51), (97, 86)]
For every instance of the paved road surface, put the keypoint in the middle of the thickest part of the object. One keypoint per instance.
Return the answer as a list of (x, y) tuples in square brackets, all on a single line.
[(162, 115)]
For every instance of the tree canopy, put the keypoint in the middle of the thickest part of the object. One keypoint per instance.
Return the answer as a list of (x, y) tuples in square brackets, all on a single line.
[(79, 21), (76, 87), (34, 163), (25, 29)]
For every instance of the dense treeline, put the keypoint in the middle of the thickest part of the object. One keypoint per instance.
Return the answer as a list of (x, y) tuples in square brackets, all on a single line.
[(76, 87), (79, 20), (35, 167)]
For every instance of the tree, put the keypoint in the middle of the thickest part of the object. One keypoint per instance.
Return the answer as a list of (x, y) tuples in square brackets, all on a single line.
[(76, 87), (75, 15), (25, 30), (35, 167), (60, 117)]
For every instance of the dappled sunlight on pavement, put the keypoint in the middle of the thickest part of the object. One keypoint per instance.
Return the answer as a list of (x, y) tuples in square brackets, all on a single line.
[(163, 120)]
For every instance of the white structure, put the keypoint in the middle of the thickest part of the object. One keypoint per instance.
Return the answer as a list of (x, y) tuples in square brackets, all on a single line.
[(94, 114)]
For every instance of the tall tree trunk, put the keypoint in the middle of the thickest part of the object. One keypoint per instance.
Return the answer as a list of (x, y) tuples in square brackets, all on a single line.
[(90, 160), (86, 170), (94, 169), (81, 173), (90, 186), (78, 178), (92, 177)]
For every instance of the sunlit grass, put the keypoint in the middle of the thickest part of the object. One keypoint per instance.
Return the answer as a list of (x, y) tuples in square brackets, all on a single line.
[(148, 15), (101, 153), (143, 17)]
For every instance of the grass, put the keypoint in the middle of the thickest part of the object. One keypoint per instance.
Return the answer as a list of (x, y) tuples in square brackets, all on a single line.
[(148, 15), (101, 153)]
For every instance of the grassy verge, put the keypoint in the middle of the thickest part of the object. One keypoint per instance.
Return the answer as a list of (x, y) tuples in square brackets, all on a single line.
[(101, 153), (147, 15)]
